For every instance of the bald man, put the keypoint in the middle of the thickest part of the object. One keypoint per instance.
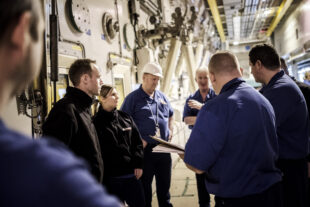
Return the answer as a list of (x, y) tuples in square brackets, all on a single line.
[(191, 108), (234, 141)]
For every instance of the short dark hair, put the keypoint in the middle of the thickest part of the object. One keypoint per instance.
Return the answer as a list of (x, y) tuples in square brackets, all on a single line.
[(266, 54), (11, 11), (79, 68)]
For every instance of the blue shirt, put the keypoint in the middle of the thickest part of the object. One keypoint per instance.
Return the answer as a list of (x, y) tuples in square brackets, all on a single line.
[(234, 141), (44, 173), (307, 82), (291, 114), (138, 105), (188, 111)]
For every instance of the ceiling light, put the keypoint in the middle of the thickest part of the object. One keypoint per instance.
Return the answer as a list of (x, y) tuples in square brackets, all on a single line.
[(235, 43)]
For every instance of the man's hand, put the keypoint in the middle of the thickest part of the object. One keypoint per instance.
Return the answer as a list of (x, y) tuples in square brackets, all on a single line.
[(138, 173), (194, 104)]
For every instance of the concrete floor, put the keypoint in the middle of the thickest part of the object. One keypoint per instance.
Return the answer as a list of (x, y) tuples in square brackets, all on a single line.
[(183, 188)]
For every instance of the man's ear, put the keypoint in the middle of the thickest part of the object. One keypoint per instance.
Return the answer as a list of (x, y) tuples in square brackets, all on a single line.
[(258, 64), (212, 77), (84, 78), (20, 35)]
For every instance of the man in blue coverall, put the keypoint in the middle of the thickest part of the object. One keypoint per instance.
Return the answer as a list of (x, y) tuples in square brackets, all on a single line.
[(152, 113), (292, 121), (35, 173), (234, 141), (191, 108)]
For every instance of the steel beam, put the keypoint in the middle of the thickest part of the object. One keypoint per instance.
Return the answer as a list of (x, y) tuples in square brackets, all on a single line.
[(217, 18), (280, 13)]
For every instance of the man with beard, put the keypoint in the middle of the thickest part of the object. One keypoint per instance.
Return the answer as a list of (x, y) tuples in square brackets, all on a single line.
[(192, 106), (70, 120), (35, 173)]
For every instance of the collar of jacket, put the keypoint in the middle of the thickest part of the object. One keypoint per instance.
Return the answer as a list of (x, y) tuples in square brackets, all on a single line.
[(144, 95), (107, 115), (81, 98), (272, 81), (232, 83)]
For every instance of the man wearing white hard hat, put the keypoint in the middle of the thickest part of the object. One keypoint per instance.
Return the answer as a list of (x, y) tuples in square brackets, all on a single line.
[(152, 113)]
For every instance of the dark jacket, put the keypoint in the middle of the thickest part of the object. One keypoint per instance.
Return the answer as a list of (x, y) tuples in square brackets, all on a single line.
[(70, 121), (305, 89), (120, 142)]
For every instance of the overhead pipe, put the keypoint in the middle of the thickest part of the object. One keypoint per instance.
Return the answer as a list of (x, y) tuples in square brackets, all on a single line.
[(280, 13), (217, 18), (172, 60)]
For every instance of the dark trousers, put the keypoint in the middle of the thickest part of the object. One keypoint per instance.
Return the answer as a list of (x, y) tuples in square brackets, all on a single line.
[(272, 197), (294, 182), (158, 165), (203, 194), (126, 189)]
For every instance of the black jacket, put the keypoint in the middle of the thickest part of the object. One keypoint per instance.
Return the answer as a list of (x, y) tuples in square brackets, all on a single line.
[(120, 142), (305, 89), (70, 121)]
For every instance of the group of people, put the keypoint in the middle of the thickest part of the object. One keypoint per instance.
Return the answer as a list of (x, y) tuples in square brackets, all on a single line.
[(248, 148), (251, 146), (116, 143)]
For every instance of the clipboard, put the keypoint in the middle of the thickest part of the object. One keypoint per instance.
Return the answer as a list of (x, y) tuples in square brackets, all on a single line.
[(167, 147)]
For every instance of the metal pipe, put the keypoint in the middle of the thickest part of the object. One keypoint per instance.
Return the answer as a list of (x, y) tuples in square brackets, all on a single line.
[(191, 66), (119, 32), (180, 65), (198, 55), (205, 58), (54, 47), (174, 50)]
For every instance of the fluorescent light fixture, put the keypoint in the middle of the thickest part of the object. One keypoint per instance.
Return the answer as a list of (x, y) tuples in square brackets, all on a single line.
[(235, 43), (236, 23)]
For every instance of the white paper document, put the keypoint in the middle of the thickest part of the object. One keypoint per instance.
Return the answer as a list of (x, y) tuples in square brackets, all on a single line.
[(167, 147)]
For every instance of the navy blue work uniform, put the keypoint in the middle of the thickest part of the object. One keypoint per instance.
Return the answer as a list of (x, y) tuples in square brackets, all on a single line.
[(146, 113), (203, 195), (44, 173), (293, 134), (234, 141)]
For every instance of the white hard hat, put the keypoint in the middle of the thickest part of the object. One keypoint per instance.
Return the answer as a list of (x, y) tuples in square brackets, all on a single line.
[(152, 68)]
